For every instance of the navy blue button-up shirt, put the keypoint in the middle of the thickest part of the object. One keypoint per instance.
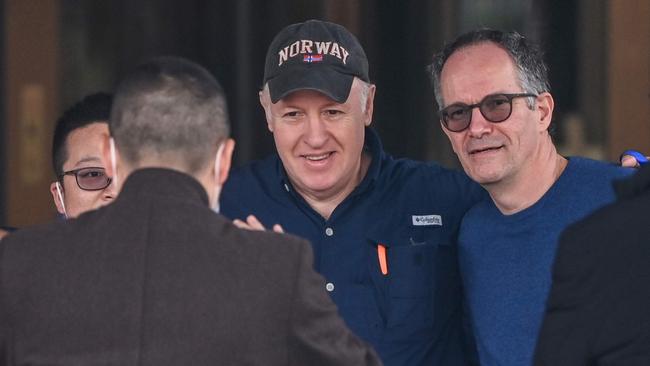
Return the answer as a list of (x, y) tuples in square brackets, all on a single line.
[(411, 314)]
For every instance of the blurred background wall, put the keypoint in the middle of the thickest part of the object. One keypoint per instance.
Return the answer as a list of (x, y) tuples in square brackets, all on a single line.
[(53, 52)]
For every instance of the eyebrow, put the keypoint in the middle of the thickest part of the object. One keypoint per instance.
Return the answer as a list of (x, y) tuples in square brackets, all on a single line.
[(88, 159)]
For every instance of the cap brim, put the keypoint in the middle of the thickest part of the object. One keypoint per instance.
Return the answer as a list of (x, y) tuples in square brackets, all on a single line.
[(311, 77)]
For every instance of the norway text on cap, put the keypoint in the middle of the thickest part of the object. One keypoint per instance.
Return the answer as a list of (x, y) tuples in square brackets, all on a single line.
[(304, 46)]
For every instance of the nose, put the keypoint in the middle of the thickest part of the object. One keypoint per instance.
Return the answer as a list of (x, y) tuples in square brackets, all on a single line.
[(478, 125), (316, 134), (109, 192)]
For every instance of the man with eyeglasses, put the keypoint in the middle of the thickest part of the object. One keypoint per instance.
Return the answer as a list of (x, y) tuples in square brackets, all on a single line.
[(82, 184), (496, 109)]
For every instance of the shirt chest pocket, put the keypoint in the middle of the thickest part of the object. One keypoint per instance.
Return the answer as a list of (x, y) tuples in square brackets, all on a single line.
[(411, 269), (420, 273)]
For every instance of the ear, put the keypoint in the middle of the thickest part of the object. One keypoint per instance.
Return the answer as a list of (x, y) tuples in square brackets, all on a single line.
[(545, 105), (106, 155), (55, 198), (226, 160), (370, 105), (265, 102)]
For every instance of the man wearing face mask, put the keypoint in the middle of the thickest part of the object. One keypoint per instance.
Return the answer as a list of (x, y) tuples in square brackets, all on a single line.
[(82, 184), (126, 284)]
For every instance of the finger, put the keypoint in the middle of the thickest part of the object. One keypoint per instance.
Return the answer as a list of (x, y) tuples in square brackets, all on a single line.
[(278, 228), (242, 225), (254, 223), (629, 161)]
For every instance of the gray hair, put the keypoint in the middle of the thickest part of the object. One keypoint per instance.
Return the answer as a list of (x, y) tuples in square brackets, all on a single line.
[(168, 108), (527, 57)]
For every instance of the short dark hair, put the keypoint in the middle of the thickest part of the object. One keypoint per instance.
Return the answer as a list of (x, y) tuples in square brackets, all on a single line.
[(169, 107), (527, 57), (91, 109)]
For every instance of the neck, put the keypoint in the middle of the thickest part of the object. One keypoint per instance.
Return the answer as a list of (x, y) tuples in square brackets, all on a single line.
[(326, 202), (530, 184), (205, 176)]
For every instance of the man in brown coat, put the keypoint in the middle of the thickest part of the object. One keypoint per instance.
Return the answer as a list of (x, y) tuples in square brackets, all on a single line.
[(156, 277)]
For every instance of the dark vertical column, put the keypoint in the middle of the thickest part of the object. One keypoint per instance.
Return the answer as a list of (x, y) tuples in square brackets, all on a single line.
[(444, 22), (345, 13), (88, 44), (243, 49), (560, 43), (3, 119), (400, 38), (591, 68), (235, 37)]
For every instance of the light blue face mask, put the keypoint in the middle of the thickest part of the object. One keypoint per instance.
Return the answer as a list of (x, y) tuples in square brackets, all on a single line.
[(217, 185)]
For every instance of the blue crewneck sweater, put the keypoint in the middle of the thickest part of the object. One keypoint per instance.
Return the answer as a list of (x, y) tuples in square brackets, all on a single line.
[(506, 260)]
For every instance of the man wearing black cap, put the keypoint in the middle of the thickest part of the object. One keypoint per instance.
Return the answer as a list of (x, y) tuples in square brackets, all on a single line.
[(383, 230)]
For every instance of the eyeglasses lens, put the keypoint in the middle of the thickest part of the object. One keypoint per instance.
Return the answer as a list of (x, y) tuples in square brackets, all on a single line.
[(92, 179), (496, 108), (457, 117)]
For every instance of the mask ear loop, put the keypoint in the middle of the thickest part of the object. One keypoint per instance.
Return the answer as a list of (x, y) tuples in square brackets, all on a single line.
[(58, 192), (113, 163), (217, 167)]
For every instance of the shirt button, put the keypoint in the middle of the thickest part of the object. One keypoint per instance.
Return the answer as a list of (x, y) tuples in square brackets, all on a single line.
[(329, 287), (286, 187), (329, 231)]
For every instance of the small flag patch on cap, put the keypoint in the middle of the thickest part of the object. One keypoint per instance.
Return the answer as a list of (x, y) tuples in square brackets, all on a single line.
[(312, 58)]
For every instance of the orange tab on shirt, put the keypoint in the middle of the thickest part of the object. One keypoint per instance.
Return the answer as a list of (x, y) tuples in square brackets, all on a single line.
[(383, 260)]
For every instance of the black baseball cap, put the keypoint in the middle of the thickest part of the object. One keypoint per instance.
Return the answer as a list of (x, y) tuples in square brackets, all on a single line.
[(314, 55)]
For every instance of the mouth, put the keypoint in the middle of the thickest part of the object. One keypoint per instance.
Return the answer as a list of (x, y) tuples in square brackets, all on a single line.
[(485, 149), (317, 158)]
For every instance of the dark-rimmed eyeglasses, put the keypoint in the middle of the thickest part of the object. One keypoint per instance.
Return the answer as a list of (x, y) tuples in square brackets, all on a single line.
[(89, 178), (494, 108)]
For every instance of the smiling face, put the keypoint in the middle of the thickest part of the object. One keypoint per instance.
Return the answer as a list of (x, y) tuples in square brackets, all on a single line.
[(493, 152), (320, 141), (84, 149)]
